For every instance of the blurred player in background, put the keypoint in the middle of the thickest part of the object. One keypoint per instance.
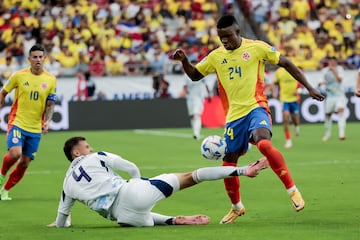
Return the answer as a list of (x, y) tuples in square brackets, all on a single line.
[(336, 100), (286, 88), (92, 180), (195, 93), (29, 117), (357, 87), (239, 65)]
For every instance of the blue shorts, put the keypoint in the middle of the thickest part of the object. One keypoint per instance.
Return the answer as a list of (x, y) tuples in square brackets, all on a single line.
[(292, 107), (238, 133), (27, 140)]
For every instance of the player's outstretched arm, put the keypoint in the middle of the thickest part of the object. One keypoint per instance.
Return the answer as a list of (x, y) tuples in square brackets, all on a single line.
[(62, 219), (189, 69)]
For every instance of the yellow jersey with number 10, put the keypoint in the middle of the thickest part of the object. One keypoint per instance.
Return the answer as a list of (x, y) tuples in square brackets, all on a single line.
[(240, 75), (31, 93)]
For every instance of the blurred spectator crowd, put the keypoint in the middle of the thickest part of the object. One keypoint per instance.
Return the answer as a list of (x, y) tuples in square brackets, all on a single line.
[(106, 37), (308, 31), (123, 37)]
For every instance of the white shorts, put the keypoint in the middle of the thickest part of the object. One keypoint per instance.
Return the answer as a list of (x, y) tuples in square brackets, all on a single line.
[(195, 105), (333, 104), (138, 196)]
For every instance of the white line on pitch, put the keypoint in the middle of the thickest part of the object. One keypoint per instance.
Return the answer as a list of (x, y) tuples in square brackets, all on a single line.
[(162, 133)]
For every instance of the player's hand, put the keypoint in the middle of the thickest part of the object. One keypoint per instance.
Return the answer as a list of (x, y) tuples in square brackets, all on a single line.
[(315, 94), (179, 55), (53, 224), (357, 93), (67, 223), (45, 127)]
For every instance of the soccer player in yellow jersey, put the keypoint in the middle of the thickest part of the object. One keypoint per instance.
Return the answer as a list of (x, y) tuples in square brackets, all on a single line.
[(239, 65), (29, 117), (290, 98)]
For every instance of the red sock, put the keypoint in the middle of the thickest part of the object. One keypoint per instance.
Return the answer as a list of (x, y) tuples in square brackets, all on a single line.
[(7, 163), (287, 135), (276, 161), (232, 185), (15, 177)]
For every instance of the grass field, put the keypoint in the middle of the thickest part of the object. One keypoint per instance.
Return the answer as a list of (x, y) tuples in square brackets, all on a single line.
[(326, 173)]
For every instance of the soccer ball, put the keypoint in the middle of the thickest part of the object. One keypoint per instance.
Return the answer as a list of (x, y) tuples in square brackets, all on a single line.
[(213, 147)]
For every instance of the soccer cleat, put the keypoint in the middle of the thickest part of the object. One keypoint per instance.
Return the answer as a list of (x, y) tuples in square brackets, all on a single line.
[(4, 195), (191, 220), (288, 144), (255, 167), (326, 138), (297, 200), (232, 215), (342, 138)]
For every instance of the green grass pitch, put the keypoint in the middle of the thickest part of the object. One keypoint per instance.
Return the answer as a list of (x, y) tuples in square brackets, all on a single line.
[(326, 173)]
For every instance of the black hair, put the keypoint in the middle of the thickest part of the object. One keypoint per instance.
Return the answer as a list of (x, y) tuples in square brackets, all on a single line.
[(226, 21), (69, 145), (37, 47)]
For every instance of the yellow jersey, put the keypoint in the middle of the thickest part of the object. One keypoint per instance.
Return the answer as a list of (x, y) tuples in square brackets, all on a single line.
[(288, 85), (240, 75), (31, 93)]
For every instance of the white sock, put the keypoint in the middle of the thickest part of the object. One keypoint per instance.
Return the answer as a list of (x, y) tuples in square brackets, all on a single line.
[(341, 124), (237, 206), (328, 126), (160, 219), (196, 125), (290, 190), (215, 173)]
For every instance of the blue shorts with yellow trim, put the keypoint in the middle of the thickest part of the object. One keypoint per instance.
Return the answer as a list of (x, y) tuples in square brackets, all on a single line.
[(292, 107), (27, 140), (238, 133)]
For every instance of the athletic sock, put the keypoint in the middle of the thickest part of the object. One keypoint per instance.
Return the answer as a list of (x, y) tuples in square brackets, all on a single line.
[(276, 161), (287, 135), (15, 176), (232, 185), (328, 126), (341, 125), (215, 173), (7, 163)]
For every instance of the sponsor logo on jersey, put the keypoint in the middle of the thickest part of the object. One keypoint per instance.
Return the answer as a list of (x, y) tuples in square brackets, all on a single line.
[(44, 85)]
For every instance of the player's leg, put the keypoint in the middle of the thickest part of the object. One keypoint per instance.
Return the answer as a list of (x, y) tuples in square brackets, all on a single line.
[(9, 159), (330, 104), (160, 219), (237, 140), (14, 145), (196, 110), (286, 125), (341, 104), (295, 116), (261, 136), (30, 146)]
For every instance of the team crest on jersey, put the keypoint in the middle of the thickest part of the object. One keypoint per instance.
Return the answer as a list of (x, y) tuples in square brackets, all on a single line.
[(246, 56), (15, 140), (273, 49), (44, 85)]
